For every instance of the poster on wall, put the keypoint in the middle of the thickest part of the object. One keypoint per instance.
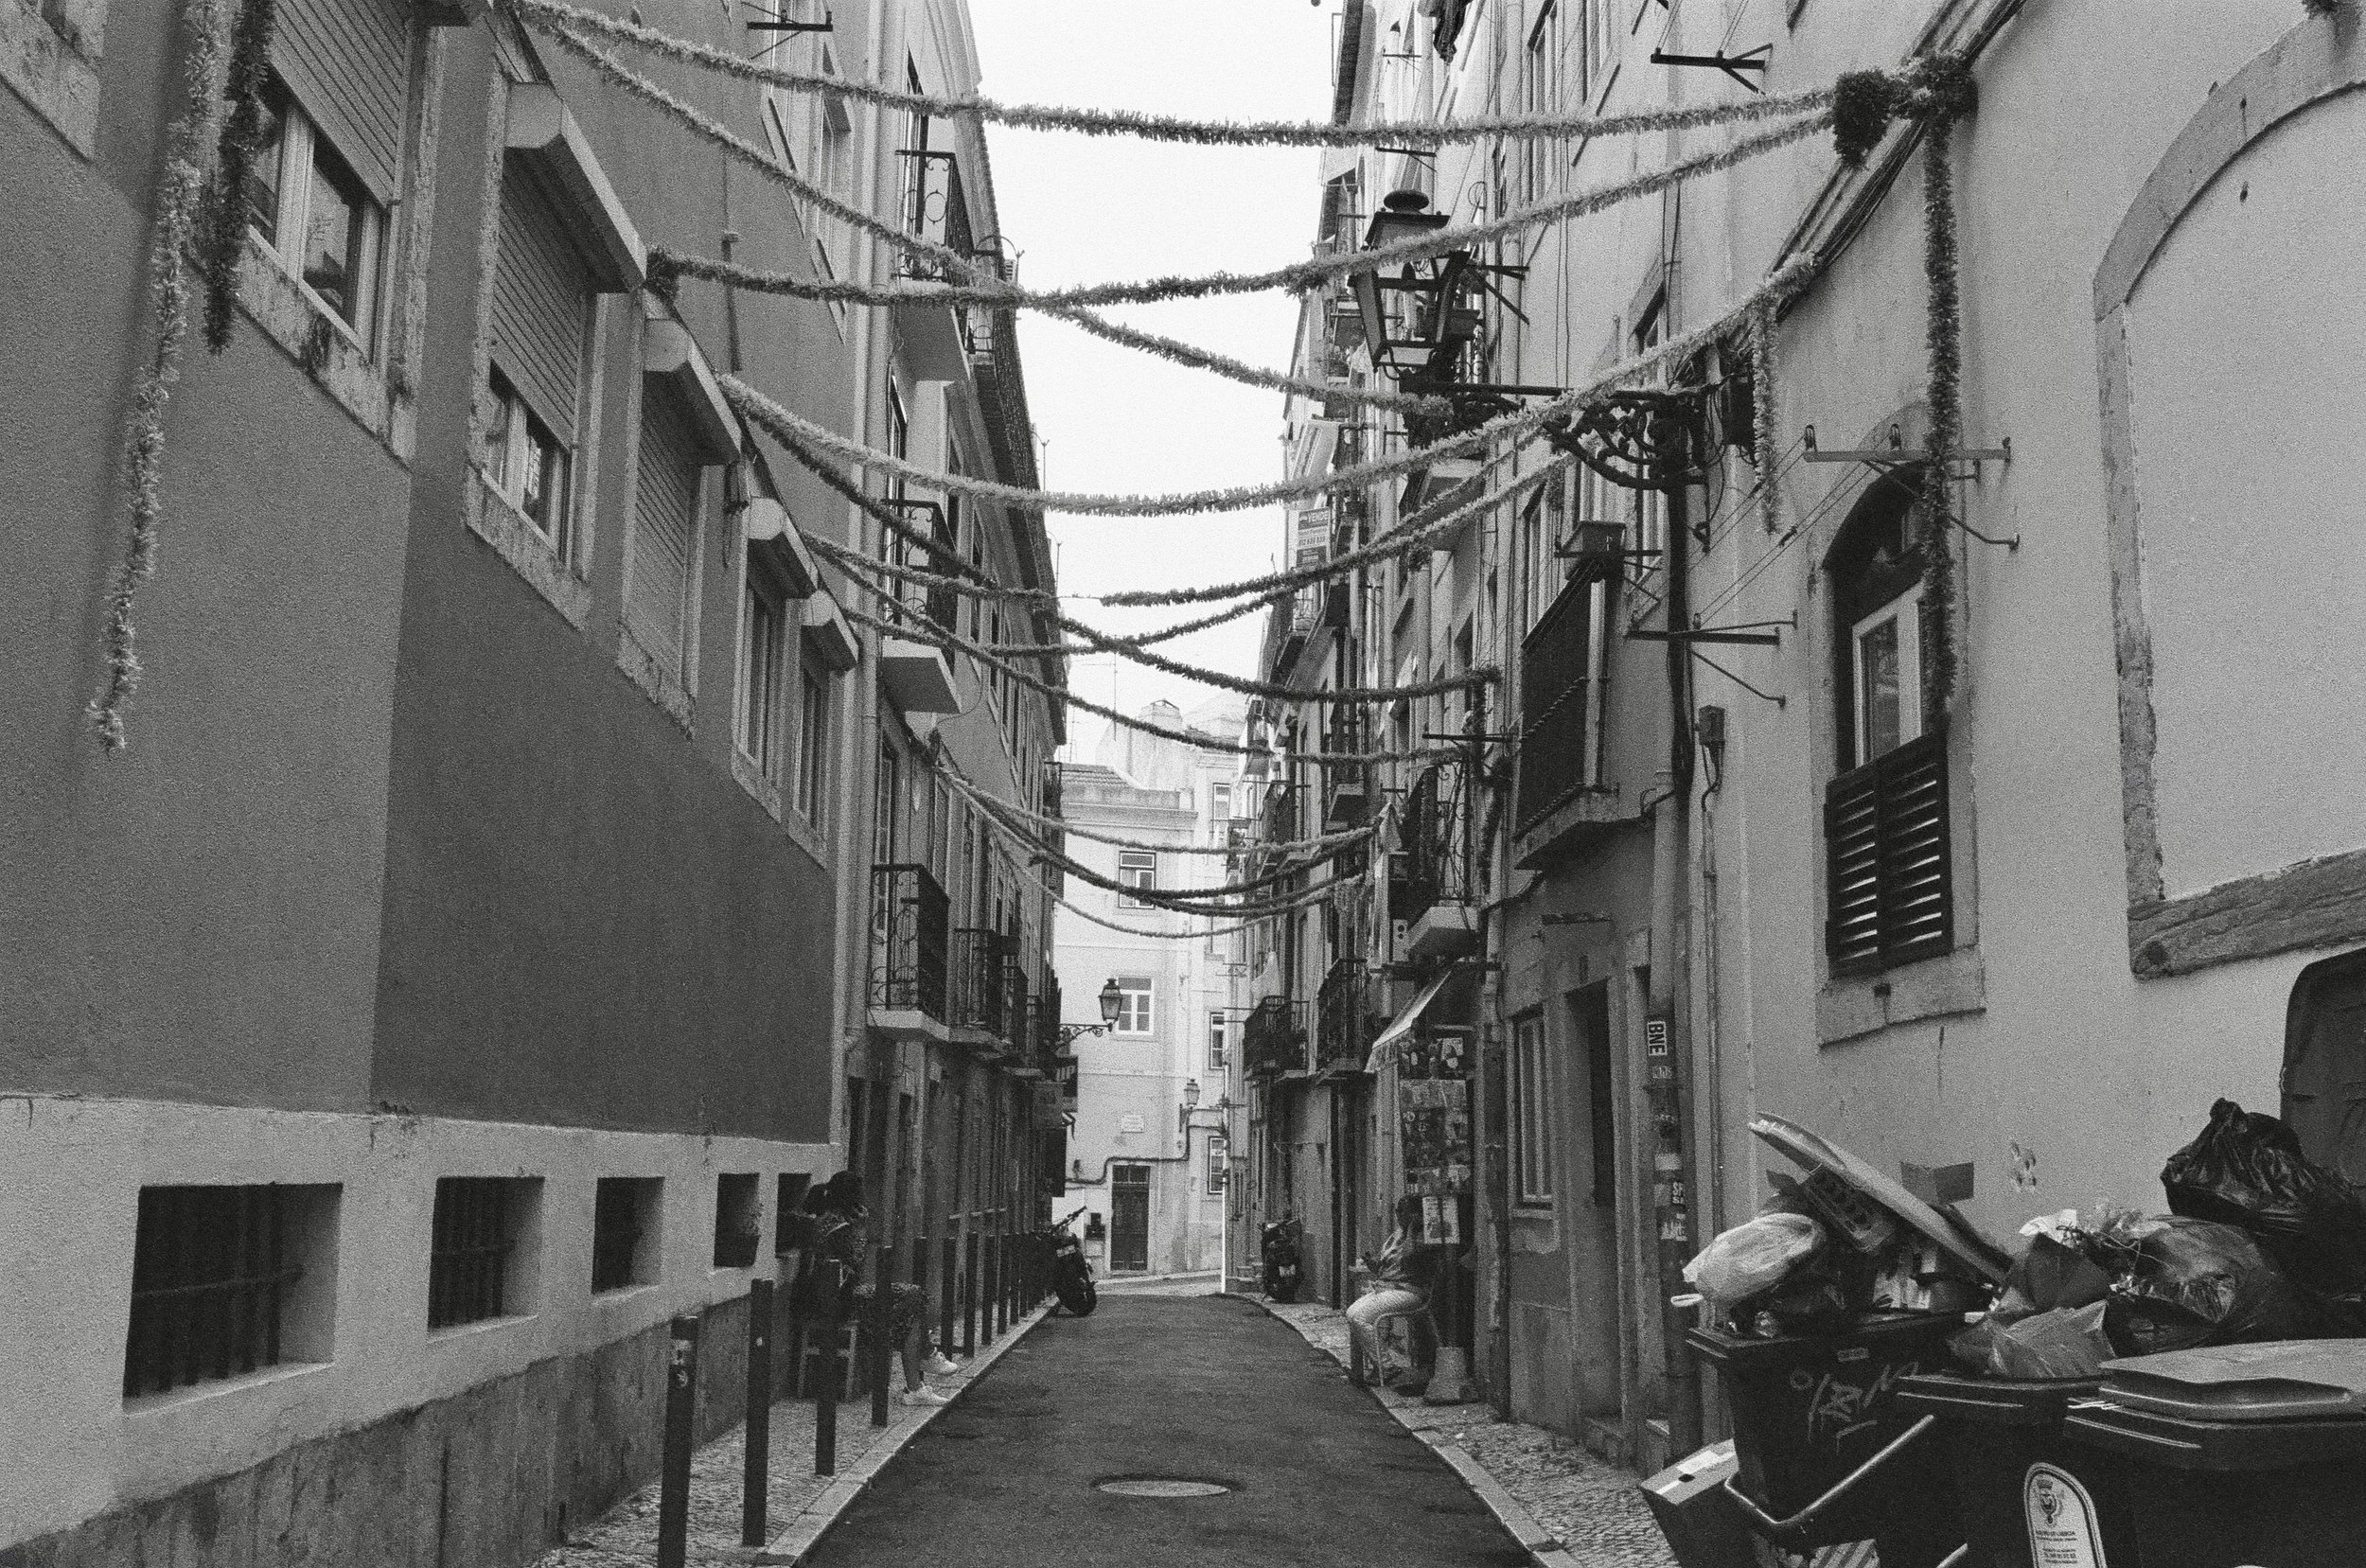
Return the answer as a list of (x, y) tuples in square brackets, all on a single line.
[(1433, 1124)]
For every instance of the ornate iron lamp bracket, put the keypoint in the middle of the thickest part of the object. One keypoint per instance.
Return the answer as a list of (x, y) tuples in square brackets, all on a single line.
[(1645, 439)]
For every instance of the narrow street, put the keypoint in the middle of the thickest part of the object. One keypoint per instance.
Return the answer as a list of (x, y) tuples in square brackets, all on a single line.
[(1169, 1387)]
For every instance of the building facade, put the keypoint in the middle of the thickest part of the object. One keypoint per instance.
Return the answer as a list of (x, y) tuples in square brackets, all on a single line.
[(498, 916), (1901, 804), (1149, 1149)]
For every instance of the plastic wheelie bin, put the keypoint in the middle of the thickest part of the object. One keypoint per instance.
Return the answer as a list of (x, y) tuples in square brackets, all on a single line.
[(2240, 1457), (1999, 1435), (1825, 1453)]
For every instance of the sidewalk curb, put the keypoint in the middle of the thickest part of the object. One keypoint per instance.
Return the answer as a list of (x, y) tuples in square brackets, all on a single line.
[(804, 1532), (1543, 1546)]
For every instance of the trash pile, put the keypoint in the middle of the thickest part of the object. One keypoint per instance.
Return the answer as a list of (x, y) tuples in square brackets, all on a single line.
[(2260, 1243)]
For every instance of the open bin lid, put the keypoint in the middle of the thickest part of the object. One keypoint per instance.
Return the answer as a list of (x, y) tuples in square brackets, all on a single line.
[(1814, 1152), (2277, 1381)]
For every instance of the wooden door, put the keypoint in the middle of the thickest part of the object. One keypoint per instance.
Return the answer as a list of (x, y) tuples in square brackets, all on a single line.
[(1129, 1219)]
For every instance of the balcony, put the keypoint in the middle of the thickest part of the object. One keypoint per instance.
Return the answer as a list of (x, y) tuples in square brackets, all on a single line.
[(1343, 1018), (1346, 786), (934, 337), (918, 679), (1273, 1039), (1440, 883), (977, 984), (1043, 1040), (908, 948), (1014, 1000)]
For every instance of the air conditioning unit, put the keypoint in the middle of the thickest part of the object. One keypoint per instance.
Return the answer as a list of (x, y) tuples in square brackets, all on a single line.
[(1595, 551)]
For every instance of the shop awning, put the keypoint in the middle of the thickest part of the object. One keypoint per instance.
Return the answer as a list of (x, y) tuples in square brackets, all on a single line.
[(1401, 1028)]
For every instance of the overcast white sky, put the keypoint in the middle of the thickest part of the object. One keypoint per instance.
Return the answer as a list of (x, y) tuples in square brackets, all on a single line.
[(1082, 209)]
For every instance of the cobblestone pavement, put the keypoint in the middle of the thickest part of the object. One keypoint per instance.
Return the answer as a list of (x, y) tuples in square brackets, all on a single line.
[(626, 1534), (1592, 1508)]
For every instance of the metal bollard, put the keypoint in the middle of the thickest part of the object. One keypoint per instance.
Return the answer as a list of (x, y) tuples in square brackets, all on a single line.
[(877, 1351), (947, 1286), (755, 1480), (969, 1293), (825, 1397), (681, 1407)]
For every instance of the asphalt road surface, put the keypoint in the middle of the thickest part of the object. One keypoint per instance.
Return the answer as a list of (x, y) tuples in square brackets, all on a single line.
[(1194, 1388)]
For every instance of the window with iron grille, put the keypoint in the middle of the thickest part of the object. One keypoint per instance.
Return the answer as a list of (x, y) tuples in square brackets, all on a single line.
[(227, 1281), (625, 1232), (1531, 1112), (473, 1257)]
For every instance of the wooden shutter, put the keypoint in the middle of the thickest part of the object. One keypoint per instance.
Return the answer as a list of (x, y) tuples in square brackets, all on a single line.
[(541, 289), (1888, 859), (348, 63), (664, 517)]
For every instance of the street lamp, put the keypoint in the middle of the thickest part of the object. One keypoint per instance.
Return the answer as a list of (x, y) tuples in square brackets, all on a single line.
[(1112, 1001)]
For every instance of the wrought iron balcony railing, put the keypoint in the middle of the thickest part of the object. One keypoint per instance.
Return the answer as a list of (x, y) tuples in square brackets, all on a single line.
[(1274, 1038), (1437, 833), (977, 981), (1343, 1019), (908, 941), (1346, 784), (1013, 1032)]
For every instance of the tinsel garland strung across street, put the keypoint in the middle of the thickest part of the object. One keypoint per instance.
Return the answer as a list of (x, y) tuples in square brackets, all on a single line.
[(1865, 102), (953, 642), (859, 567), (1066, 826), (1168, 127), (1297, 277), (1095, 639), (178, 193), (1951, 94), (964, 270), (224, 224), (1763, 414)]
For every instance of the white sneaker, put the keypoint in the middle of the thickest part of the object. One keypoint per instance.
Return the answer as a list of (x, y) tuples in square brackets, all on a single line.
[(923, 1396), (940, 1365)]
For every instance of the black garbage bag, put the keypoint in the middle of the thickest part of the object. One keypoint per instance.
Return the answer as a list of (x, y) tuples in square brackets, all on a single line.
[(2178, 1283), (2246, 1169)]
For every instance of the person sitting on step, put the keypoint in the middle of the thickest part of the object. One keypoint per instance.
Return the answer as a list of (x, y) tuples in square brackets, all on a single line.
[(841, 1238), (1396, 1282)]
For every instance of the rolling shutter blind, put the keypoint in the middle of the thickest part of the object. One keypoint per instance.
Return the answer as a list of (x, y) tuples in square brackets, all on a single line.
[(1886, 836), (665, 506), (540, 292), (348, 63)]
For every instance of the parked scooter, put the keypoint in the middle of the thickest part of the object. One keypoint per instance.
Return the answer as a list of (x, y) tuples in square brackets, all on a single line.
[(1071, 1275), (1279, 1245)]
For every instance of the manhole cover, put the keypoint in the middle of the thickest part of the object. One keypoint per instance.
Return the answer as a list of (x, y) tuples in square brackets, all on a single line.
[(1161, 1486)]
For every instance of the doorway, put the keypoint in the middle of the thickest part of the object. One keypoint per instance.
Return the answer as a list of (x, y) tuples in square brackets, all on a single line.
[(1591, 1211), (2324, 1063), (1129, 1219)]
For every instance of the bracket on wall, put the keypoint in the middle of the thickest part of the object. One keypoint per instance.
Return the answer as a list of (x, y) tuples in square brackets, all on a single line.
[(1898, 456), (1733, 65), (1754, 633)]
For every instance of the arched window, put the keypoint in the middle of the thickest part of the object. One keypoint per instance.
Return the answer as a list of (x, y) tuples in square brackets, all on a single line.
[(1888, 855)]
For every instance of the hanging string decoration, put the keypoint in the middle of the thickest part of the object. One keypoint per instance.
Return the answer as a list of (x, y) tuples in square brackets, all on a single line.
[(1168, 127), (1952, 93), (1067, 827), (1763, 415), (223, 240), (1865, 102), (178, 195)]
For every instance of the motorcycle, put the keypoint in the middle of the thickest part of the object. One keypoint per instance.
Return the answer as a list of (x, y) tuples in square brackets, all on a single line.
[(1279, 1246), (1071, 1275)]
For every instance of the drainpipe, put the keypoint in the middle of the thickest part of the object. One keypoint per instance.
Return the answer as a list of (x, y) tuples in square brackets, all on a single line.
[(1669, 1054)]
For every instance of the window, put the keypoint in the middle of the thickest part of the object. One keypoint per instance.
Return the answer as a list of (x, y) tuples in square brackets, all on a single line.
[(229, 1280), (308, 205), (738, 1220), (542, 296), (1133, 1006), (762, 668), (476, 1259), (834, 174), (1219, 1164), (1537, 97), (665, 531), (813, 744), (625, 1232), (1136, 869), (1219, 1041), (1531, 1116), (1889, 894), (1220, 806)]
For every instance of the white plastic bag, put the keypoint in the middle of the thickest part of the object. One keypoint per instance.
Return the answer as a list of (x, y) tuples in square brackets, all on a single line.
[(1754, 1256)]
